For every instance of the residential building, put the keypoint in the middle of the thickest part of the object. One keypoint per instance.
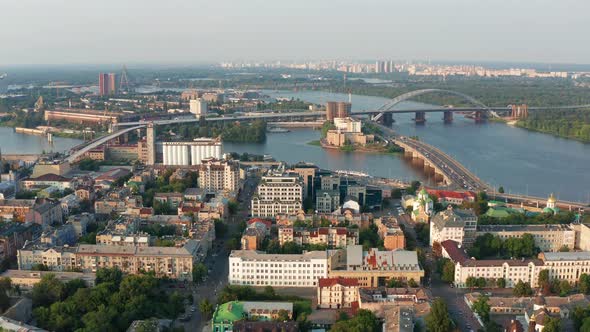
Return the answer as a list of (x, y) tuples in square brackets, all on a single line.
[(566, 265), (330, 182), (326, 201), (172, 262), (337, 293), (392, 235), (198, 107), (15, 209), (348, 124), (13, 236), (35, 253), (27, 279), (256, 326), (45, 212), (255, 268), (253, 236), (339, 138), (374, 268), (453, 224), (47, 180), (170, 199), (277, 194), (227, 313), (217, 175), (332, 237), (548, 237)]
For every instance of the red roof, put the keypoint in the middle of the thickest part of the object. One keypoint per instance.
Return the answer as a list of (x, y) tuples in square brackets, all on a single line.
[(451, 194), (50, 177), (329, 282), (455, 253), (146, 210), (268, 223)]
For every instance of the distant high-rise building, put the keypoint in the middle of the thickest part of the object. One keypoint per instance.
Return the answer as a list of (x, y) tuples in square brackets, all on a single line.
[(103, 84), (113, 86), (151, 143), (331, 110), (198, 107), (107, 84), (343, 109)]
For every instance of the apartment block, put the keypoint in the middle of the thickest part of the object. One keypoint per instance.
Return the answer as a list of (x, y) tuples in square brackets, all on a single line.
[(219, 175), (453, 224), (392, 235), (547, 237), (332, 237)]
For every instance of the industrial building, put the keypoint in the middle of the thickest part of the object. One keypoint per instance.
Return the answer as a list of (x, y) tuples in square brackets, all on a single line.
[(190, 153)]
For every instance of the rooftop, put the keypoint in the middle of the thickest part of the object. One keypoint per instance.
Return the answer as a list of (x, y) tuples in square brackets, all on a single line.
[(260, 255), (566, 256), (523, 228)]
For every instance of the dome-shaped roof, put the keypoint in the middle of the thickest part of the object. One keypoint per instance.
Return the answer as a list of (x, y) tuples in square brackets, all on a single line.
[(551, 198), (548, 210)]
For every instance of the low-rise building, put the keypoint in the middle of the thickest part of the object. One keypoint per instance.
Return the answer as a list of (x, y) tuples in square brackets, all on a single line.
[(45, 212), (332, 237), (13, 236), (374, 268), (452, 197), (453, 224), (255, 268), (227, 313), (27, 279), (392, 235), (15, 209), (550, 237), (337, 293)]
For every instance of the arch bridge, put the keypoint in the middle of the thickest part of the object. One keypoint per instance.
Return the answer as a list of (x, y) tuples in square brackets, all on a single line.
[(384, 113)]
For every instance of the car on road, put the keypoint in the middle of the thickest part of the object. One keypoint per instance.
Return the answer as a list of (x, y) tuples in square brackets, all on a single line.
[(193, 308)]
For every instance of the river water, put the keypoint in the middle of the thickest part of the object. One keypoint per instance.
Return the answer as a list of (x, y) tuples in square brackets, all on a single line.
[(15, 143), (521, 161)]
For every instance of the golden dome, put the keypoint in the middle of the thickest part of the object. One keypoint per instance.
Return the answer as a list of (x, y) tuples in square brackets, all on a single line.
[(551, 198)]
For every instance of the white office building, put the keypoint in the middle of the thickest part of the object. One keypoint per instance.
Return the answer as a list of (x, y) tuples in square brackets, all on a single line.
[(255, 268), (190, 153), (277, 194), (198, 107)]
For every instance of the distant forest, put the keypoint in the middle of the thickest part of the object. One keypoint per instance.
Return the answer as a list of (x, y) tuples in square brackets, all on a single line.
[(573, 124)]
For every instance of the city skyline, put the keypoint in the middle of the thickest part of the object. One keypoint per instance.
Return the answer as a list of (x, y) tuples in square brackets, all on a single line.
[(184, 32)]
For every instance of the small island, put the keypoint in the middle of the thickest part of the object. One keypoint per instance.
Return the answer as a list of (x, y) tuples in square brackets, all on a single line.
[(351, 135)]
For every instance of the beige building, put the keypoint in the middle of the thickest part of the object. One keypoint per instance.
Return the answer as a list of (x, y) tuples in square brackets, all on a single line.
[(277, 194), (27, 279), (337, 293), (374, 268), (547, 237), (566, 265), (392, 235), (172, 262), (219, 175), (326, 201), (332, 237), (453, 224), (342, 138)]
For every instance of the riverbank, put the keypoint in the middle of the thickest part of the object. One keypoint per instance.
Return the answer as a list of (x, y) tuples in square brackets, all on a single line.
[(519, 124), (375, 149)]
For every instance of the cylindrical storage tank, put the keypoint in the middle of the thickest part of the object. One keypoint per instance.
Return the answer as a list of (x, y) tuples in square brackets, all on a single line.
[(185, 160), (218, 151), (165, 155)]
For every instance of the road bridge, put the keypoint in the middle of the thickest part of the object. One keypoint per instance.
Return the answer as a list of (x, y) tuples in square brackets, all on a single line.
[(73, 157)]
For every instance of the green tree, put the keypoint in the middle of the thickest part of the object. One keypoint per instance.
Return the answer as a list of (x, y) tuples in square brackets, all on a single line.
[(47, 291), (522, 289), (564, 288), (199, 272), (471, 282), (438, 320), (482, 307), (206, 308), (552, 324), (363, 321), (584, 283), (501, 283), (448, 271)]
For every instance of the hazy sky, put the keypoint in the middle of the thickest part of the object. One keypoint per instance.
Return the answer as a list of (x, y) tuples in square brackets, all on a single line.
[(193, 31)]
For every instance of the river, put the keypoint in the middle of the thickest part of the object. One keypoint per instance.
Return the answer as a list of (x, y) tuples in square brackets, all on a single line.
[(15, 143), (521, 161)]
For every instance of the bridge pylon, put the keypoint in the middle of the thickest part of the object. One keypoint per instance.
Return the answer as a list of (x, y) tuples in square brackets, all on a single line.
[(448, 117), (420, 117)]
